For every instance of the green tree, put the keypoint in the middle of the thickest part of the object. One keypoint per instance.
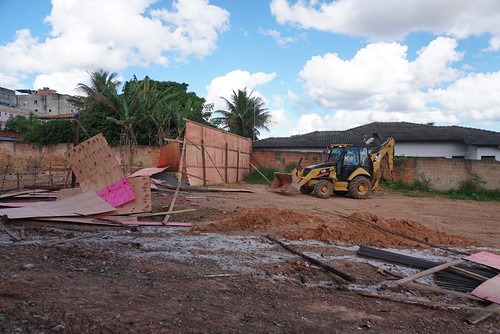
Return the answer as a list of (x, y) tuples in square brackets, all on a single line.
[(20, 124), (94, 106), (245, 115), (50, 132)]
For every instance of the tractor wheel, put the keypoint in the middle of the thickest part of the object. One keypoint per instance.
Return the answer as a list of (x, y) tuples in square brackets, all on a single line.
[(323, 189), (360, 187), (306, 190)]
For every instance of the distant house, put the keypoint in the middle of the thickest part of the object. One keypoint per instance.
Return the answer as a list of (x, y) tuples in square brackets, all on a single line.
[(412, 140), (8, 112), (44, 101)]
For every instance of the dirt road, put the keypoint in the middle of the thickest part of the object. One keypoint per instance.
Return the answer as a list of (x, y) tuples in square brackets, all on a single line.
[(224, 276)]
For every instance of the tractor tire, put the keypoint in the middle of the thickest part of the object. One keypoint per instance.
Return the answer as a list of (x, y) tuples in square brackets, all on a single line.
[(360, 187), (323, 189), (306, 190)]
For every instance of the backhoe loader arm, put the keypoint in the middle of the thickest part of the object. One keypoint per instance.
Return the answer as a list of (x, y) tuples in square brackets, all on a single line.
[(387, 148)]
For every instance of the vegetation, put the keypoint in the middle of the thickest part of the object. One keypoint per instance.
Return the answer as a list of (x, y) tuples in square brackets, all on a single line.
[(20, 124), (471, 189), (146, 111), (256, 178), (50, 132), (245, 115)]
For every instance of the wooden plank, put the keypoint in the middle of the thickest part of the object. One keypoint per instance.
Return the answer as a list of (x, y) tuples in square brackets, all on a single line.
[(489, 290), (86, 203), (425, 273), (105, 222), (325, 266), (486, 258), (179, 182)]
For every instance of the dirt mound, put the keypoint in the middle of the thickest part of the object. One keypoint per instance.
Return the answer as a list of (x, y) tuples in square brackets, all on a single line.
[(295, 225)]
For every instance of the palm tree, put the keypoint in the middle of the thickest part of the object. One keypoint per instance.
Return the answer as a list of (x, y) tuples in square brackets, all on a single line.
[(244, 115), (122, 109)]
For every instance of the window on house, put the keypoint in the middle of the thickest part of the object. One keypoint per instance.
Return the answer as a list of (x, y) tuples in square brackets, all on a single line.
[(50, 110), (35, 102), (458, 156), (488, 157)]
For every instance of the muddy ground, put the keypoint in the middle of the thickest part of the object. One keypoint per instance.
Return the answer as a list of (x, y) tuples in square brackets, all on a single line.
[(224, 276)]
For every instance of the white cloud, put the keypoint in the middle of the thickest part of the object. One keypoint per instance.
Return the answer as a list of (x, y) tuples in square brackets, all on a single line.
[(380, 83), (392, 20), (276, 35), (234, 80), (114, 34), (309, 123), (64, 81), (474, 97)]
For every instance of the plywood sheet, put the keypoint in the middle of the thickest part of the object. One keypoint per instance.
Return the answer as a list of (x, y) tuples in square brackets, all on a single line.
[(216, 155), (142, 202), (88, 203), (170, 156), (486, 258), (148, 171), (97, 169), (489, 290), (68, 192)]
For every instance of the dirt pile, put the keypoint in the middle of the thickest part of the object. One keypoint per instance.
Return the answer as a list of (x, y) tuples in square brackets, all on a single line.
[(295, 225)]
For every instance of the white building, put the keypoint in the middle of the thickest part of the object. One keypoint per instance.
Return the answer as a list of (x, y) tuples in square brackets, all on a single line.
[(412, 140)]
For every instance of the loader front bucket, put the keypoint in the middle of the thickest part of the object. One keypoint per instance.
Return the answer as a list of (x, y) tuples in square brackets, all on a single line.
[(284, 182)]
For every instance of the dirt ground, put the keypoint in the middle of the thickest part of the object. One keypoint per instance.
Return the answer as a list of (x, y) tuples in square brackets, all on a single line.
[(224, 276)]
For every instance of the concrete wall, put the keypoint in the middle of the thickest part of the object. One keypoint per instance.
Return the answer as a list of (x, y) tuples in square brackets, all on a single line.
[(45, 102), (442, 173)]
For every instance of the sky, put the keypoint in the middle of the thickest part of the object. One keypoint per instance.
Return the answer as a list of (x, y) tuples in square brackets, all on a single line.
[(318, 65)]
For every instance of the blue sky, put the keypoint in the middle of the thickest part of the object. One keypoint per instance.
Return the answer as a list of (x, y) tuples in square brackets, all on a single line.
[(318, 65)]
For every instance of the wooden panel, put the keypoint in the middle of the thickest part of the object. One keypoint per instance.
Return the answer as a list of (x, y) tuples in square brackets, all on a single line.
[(225, 154), (88, 203), (170, 156), (68, 192), (97, 169), (486, 258), (489, 290), (142, 202)]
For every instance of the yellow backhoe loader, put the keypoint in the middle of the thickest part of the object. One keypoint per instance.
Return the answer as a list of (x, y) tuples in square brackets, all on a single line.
[(355, 170)]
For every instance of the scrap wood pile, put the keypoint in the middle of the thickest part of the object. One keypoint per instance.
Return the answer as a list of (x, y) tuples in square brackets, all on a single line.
[(474, 277), (104, 196)]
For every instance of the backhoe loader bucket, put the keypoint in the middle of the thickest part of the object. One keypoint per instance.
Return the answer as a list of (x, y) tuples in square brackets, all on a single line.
[(284, 182)]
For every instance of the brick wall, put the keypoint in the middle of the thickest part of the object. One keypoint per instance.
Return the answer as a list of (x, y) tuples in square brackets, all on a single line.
[(443, 174), (280, 159), (20, 155)]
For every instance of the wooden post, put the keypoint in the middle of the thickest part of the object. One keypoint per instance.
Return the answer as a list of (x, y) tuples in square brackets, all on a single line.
[(425, 273), (179, 181), (50, 175), (226, 163), (204, 162), (238, 166), (18, 181)]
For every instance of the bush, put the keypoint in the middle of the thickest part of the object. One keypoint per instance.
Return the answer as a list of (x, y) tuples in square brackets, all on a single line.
[(291, 166), (256, 178)]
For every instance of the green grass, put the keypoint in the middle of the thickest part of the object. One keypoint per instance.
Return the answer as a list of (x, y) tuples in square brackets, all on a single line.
[(468, 190), (256, 178)]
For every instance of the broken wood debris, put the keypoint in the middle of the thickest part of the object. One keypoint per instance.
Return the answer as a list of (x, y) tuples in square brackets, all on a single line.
[(487, 287), (325, 266), (104, 196)]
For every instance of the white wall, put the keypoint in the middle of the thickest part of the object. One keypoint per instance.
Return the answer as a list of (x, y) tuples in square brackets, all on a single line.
[(433, 150)]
